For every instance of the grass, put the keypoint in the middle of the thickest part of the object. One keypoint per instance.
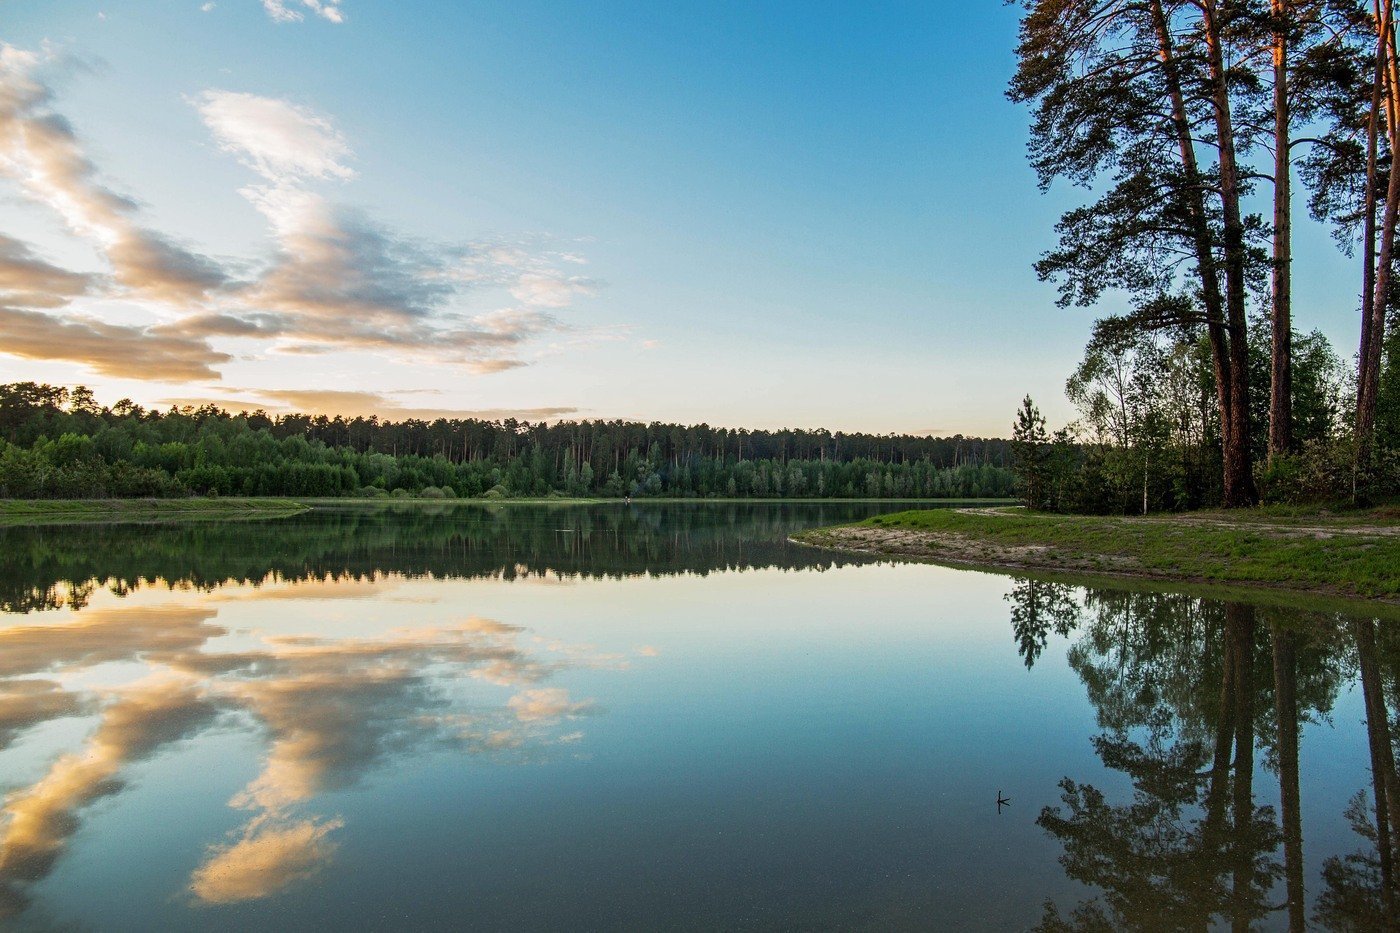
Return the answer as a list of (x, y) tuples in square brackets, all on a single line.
[(1352, 554), (73, 511)]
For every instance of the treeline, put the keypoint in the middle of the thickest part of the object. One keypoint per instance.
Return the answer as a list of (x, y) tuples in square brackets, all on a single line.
[(60, 443), (1190, 124)]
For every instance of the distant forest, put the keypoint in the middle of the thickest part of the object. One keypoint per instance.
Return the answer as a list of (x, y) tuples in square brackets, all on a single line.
[(60, 443)]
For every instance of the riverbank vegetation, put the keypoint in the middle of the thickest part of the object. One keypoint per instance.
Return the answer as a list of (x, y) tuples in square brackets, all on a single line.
[(72, 511), (1190, 123), (57, 443), (1355, 554)]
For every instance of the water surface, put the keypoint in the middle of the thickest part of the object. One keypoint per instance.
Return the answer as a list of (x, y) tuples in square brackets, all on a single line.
[(662, 716)]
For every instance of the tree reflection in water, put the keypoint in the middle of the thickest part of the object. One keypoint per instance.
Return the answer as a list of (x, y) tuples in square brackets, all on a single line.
[(1189, 693)]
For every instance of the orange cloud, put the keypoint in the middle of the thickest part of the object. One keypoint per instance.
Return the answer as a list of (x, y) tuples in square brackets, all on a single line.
[(110, 349)]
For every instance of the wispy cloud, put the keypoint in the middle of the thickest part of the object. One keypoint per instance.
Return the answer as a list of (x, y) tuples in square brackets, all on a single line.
[(351, 404), (282, 13), (340, 279), (160, 353), (275, 138), (335, 278), (39, 149), (29, 281)]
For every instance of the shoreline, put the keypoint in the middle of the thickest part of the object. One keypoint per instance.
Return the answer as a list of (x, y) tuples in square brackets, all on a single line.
[(1347, 557), (22, 513), (18, 513)]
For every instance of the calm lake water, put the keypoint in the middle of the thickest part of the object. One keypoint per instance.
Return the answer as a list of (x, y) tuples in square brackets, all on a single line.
[(660, 717)]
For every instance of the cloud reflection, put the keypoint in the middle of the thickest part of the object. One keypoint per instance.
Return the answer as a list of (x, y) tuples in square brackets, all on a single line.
[(265, 860), (38, 820), (333, 710)]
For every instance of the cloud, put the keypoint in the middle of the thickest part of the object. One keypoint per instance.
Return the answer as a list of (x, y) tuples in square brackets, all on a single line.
[(326, 9), (157, 352), (335, 279), (207, 7), (551, 290), (266, 860), (341, 277), (352, 404), (39, 149), (368, 403), (340, 280), (29, 281), (488, 367), (277, 139)]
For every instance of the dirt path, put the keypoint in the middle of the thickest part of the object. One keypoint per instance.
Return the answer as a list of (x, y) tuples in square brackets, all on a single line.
[(950, 548), (1281, 528)]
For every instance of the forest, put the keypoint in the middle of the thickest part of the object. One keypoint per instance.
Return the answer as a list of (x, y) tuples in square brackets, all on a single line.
[(60, 443), (1187, 124)]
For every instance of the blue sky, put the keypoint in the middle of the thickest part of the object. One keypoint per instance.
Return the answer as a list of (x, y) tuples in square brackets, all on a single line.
[(768, 214)]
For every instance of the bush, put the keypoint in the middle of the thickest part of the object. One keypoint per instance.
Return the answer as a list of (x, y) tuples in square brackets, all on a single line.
[(1320, 472)]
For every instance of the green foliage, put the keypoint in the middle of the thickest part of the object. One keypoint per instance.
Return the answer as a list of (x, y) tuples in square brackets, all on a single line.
[(128, 451), (1030, 446), (1147, 438)]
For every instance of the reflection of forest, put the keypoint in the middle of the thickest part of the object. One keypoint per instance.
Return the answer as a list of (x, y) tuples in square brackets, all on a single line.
[(53, 566), (1188, 693)]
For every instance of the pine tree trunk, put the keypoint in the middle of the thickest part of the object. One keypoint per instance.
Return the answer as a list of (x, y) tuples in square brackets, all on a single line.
[(1376, 301), (1239, 474), (1281, 353), (1204, 248)]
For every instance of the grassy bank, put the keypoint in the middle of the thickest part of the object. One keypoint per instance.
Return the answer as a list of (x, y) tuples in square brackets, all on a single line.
[(72, 511), (1353, 555)]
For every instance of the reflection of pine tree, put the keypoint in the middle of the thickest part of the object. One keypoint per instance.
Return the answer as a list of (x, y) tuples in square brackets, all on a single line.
[(1351, 884), (1359, 890), (1183, 693), (1037, 609), (1191, 846), (1161, 862)]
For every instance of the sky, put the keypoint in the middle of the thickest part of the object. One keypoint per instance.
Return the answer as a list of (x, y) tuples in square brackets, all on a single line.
[(765, 215)]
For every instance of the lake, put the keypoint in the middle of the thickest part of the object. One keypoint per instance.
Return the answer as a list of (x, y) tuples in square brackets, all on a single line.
[(663, 716)]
